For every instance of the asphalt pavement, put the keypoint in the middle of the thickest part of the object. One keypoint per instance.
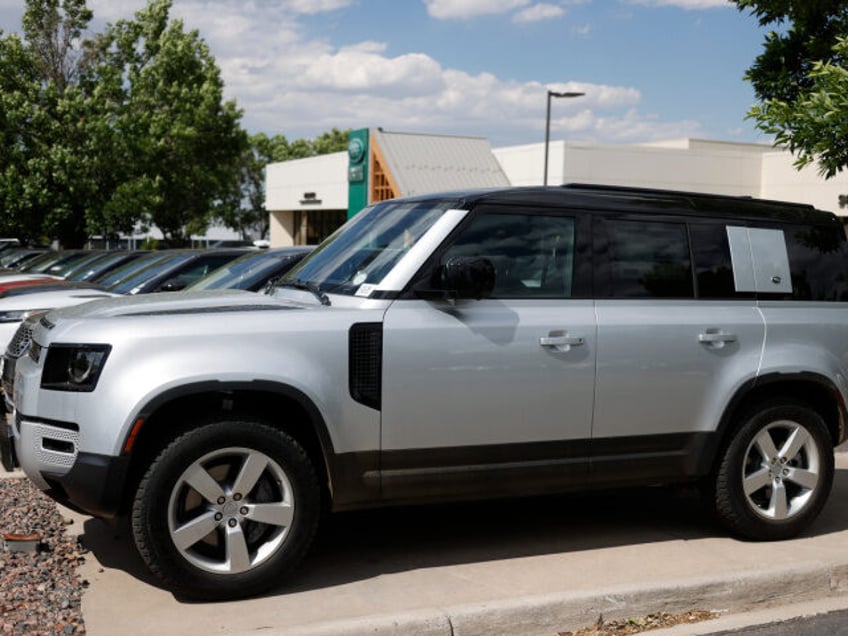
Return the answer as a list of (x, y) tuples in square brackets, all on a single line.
[(527, 567)]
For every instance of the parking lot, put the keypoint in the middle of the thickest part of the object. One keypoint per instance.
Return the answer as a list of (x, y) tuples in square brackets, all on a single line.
[(512, 567)]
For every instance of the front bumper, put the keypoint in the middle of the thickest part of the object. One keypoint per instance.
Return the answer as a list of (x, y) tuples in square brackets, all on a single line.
[(49, 454)]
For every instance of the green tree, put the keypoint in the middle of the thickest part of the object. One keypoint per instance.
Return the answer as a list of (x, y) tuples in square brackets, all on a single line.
[(801, 79), (19, 88), (53, 30), (245, 211), (100, 136), (332, 141), (45, 167), (181, 143)]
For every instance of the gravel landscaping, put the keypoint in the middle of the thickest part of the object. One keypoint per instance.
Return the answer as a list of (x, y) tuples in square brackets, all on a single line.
[(40, 590)]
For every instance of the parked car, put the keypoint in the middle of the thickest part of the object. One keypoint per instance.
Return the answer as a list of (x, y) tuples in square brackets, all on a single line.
[(102, 265), (446, 347), (252, 271), (182, 268), (90, 267), (12, 259), (56, 263)]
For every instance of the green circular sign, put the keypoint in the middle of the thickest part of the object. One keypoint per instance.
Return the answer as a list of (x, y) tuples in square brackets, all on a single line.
[(355, 150)]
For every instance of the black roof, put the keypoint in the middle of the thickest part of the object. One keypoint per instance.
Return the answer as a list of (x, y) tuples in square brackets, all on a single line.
[(635, 200)]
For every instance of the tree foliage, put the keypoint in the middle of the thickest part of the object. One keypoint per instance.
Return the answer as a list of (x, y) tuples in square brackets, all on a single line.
[(801, 79), (128, 128), (182, 141), (45, 171)]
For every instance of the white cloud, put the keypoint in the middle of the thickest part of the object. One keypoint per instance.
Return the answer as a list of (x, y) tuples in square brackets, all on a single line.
[(301, 86), (311, 7), (683, 4), (358, 69), (462, 9), (539, 12)]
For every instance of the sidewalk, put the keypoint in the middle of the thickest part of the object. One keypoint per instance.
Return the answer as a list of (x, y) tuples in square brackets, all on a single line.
[(517, 568)]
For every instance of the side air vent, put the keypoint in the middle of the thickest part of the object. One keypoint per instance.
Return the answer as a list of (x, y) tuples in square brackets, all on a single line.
[(365, 363)]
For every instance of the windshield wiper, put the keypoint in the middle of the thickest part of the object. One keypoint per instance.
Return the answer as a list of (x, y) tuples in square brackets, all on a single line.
[(305, 285)]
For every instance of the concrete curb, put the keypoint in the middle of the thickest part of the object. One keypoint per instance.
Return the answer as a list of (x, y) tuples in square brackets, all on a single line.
[(549, 614)]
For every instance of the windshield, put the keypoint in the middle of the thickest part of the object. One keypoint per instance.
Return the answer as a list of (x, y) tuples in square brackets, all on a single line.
[(128, 269), (366, 248), (126, 285), (247, 271)]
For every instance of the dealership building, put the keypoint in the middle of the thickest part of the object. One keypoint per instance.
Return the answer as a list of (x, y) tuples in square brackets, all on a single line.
[(309, 198)]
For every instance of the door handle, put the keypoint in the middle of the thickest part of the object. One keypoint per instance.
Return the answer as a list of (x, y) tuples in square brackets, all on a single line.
[(717, 338), (561, 342)]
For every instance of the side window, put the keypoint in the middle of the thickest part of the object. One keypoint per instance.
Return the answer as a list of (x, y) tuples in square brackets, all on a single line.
[(533, 254), (648, 259), (818, 261), (713, 264)]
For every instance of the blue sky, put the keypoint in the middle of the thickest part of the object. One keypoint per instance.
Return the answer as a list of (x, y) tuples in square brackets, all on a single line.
[(651, 69)]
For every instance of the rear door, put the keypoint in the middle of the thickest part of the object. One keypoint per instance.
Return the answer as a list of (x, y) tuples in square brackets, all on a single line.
[(675, 341)]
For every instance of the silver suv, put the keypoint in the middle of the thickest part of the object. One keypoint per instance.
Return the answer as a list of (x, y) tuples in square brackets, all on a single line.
[(477, 344)]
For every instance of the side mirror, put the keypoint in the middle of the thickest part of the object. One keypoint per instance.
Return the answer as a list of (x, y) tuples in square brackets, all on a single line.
[(468, 277)]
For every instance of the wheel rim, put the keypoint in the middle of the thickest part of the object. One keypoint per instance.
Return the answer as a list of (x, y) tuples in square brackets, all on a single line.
[(781, 471), (231, 510)]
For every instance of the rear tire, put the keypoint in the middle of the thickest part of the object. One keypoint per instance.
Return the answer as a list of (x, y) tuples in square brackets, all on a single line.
[(226, 510), (776, 473)]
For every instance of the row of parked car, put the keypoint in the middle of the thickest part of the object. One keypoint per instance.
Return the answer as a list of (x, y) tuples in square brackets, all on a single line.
[(35, 281)]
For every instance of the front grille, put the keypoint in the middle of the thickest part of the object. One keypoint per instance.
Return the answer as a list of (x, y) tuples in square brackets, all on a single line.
[(19, 343)]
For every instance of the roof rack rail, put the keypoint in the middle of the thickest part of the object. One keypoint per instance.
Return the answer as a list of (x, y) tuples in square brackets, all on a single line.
[(658, 191), (678, 193)]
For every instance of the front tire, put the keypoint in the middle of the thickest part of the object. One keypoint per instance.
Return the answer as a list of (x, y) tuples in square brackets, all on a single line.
[(775, 475), (226, 510)]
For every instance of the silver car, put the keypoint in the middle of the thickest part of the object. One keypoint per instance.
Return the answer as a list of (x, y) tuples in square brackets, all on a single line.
[(476, 344)]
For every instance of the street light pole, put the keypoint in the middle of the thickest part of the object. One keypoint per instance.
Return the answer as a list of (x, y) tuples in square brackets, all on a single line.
[(548, 126)]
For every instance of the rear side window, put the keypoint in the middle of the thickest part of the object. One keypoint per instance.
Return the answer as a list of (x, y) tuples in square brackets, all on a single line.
[(818, 261), (648, 259)]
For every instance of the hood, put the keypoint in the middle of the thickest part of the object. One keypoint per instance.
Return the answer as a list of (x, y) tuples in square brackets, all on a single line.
[(170, 303), (51, 299)]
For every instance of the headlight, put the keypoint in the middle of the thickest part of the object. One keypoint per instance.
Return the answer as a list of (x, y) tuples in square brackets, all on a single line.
[(11, 316), (17, 315), (73, 367)]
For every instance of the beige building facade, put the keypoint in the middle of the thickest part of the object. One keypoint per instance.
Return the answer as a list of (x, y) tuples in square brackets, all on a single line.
[(313, 193)]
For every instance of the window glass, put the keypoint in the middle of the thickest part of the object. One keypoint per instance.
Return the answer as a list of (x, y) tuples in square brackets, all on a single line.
[(713, 265), (649, 260), (817, 260), (369, 246), (137, 278), (533, 255)]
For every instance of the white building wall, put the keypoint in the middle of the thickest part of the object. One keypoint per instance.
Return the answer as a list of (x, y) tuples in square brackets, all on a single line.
[(312, 184), (722, 171), (781, 181), (287, 182), (688, 164)]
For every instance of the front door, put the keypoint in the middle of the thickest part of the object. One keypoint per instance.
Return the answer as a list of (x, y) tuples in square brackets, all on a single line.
[(494, 396)]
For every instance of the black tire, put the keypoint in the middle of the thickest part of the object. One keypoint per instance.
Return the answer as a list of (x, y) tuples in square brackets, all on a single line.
[(787, 483), (244, 542)]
